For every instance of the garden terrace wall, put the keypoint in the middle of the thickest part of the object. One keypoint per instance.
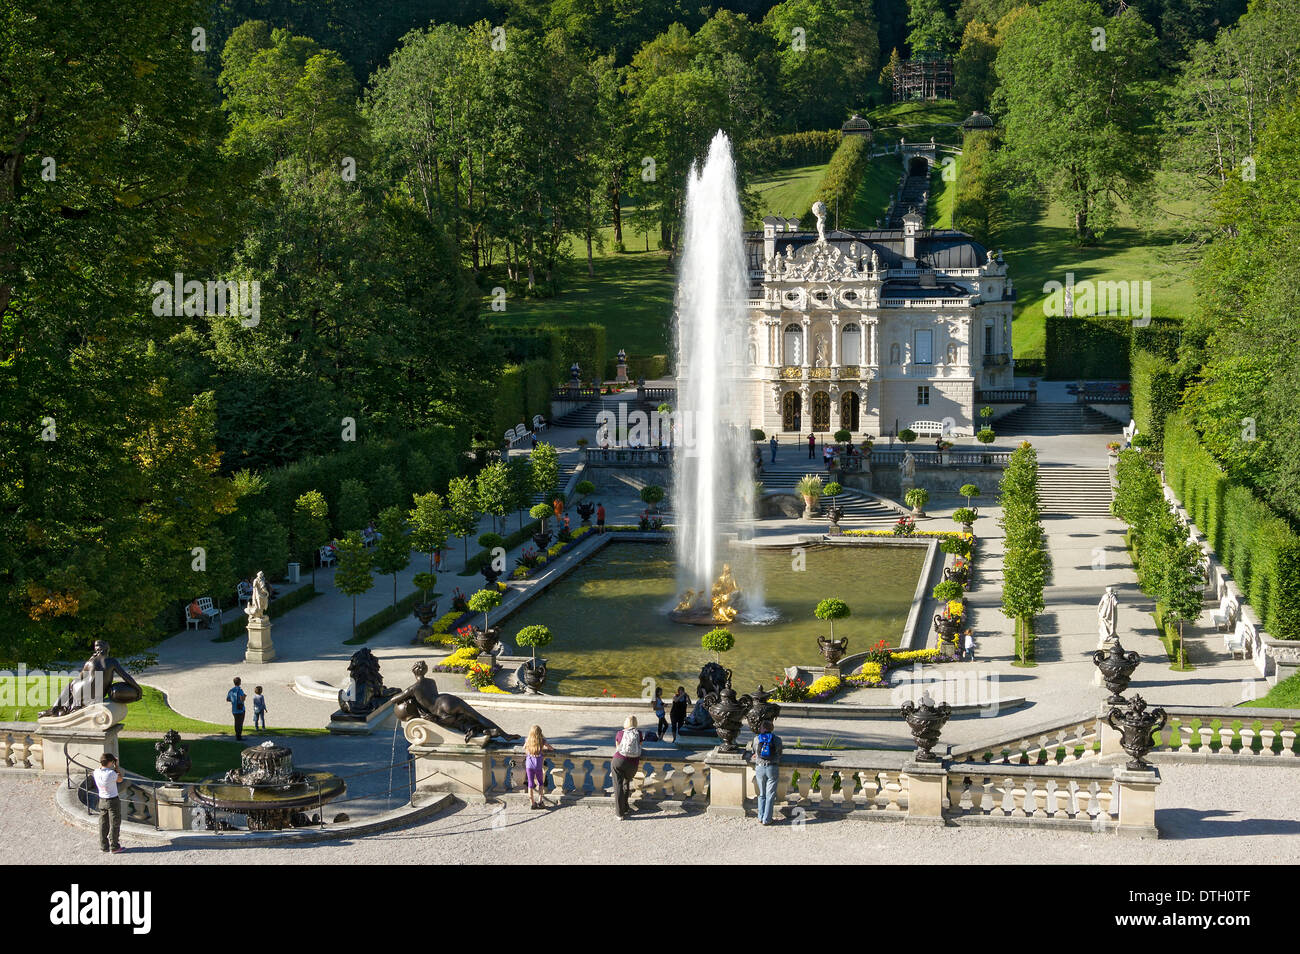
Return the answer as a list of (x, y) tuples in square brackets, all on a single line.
[(1258, 547)]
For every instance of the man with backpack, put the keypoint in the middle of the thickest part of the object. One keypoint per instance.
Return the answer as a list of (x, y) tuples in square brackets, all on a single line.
[(766, 747), (627, 756), (236, 699)]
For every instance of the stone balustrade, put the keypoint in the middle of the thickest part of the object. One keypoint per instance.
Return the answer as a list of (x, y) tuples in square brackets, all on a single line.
[(20, 747), (1083, 793), (1057, 743)]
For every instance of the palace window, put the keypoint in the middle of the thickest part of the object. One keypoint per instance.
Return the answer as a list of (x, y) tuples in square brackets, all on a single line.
[(923, 347), (851, 352), (793, 343), (923, 394)]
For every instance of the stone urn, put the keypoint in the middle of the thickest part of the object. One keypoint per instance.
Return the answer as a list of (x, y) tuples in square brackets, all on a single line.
[(173, 757), (533, 674), (926, 722), (960, 574), (835, 513), (833, 650), (1116, 668), (586, 511), (1135, 725), (542, 539), (728, 714), (761, 709), (487, 640), (425, 612), (947, 626), (490, 573)]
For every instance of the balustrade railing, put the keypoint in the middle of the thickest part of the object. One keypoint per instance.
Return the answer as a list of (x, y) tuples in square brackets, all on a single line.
[(575, 394), (807, 785), (1007, 396), (1057, 745), (19, 748), (950, 458), (569, 776), (628, 456), (1084, 794)]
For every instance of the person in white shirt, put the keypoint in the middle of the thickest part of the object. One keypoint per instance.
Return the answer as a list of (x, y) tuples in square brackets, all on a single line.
[(107, 778)]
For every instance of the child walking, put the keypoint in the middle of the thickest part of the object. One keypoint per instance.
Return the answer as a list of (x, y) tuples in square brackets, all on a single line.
[(259, 708), (534, 771)]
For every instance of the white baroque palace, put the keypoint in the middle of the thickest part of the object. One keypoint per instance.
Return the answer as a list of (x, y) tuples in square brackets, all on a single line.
[(874, 331)]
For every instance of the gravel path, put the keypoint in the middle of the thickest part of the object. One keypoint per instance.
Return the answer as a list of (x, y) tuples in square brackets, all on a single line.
[(1208, 815)]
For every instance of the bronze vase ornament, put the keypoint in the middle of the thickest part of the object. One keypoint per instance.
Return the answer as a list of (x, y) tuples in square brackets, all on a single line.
[(1116, 669), (1135, 725), (728, 713), (173, 757), (832, 649), (926, 721)]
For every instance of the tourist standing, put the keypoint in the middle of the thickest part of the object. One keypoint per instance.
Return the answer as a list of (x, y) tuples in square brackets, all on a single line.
[(600, 518), (969, 646), (766, 747), (236, 699), (677, 711), (558, 506), (259, 708), (661, 712), (107, 778), (772, 444), (812, 446), (627, 756), (535, 747)]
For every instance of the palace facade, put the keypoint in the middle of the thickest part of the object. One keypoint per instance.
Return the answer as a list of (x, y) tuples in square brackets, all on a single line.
[(874, 331)]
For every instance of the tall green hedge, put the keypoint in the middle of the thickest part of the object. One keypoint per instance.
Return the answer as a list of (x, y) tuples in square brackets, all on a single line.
[(1088, 348), (1156, 387), (791, 149), (647, 366), (843, 175), (1162, 337), (1258, 547)]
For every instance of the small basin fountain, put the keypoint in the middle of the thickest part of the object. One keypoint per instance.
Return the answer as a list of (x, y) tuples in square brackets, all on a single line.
[(267, 789)]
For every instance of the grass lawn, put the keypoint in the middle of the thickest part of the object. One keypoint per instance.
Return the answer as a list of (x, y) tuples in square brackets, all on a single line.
[(150, 714), (917, 120), (210, 757), (1043, 250), (943, 195), (630, 294), (873, 195), (1285, 695), (787, 192)]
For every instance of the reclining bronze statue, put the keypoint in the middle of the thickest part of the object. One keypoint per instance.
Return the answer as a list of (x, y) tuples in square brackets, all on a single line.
[(422, 700), (95, 684)]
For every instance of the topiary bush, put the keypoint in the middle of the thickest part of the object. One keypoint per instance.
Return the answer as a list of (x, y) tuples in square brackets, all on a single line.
[(831, 609), (490, 541), (718, 641), (907, 435), (533, 637)]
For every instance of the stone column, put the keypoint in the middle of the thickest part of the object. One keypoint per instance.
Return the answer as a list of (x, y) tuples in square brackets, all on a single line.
[(1110, 739), (835, 345), (175, 813), (803, 355), (728, 782), (80, 737), (926, 782), (1137, 802), (260, 648)]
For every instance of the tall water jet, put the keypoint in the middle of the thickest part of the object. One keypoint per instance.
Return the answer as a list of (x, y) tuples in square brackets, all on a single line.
[(713, 470)]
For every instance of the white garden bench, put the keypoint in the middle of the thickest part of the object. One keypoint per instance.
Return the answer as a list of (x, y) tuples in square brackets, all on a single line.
[(1238, 642), (1130, 432), (1225, 617), (539, 423), (207, 612), (243, 593), (926, 428), (327, 557)]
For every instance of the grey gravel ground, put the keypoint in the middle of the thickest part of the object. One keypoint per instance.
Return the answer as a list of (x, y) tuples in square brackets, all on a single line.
[(1209, 815)]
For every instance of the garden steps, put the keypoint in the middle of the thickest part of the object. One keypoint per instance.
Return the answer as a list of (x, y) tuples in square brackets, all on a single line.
[(1075, 491), (1053, 419)]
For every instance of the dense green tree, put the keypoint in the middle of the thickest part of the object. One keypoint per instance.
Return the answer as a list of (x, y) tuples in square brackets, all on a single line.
[(352, 576), (828, 52), (973, 78), (311, 528), (353, 511), (1077, 118), (930, 27), (462, 509), (492, 487), (428, 521), (393, 551), (110, 181)]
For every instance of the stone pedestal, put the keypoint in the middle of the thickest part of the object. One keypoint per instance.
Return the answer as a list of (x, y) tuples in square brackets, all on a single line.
[(1137, 802), (260, 648), (344, 723), (175, 812), (444, 762), (1110, 738), (926, 782), (82, 736), (728, 782)]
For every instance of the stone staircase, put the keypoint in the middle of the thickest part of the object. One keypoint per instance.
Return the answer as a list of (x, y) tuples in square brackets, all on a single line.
[(911, 197), (858, 508), (1051, 419), (584, 416), (1074, 491)]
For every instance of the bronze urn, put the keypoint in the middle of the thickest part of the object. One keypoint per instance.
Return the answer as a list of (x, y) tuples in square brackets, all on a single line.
[(728, 714), (173, 756), (761, 709), (1116, 669), (1135, 726), (926, 722), (487, 640), (533, 674), (832, 649)]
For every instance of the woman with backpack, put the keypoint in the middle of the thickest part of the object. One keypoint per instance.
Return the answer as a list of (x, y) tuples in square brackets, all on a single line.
[(766, 747), (627, 756)]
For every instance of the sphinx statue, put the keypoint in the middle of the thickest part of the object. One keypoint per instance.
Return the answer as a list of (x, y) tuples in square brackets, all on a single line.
[(422, 700)]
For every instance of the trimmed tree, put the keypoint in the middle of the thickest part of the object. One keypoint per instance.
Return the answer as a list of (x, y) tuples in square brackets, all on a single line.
[(533, 637), (353, 574), (354, 505), (493, 490), (652, 494), (907, 435), (917, 498), (428, 522), (830, 610), (462, 509), (311, 527), (393, 551), (718, 641), (484, 601), (545, 462), (969, 491)]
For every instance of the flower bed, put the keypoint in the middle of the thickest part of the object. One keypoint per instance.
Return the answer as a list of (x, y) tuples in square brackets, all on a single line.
[(874, 672), (478, 676), (444, 630), (942, 534)]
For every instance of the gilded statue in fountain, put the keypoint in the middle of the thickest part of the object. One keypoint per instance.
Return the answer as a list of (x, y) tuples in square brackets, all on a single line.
[(721, 605)]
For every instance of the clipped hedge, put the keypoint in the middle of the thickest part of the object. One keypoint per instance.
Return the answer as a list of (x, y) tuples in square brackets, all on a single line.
[(1155, 390), (807, 148), (512, 540), (640, 366), (1259, 548), (385, 618), (1087, 348), (522, 391), (233, 628), (841, 179), (1162, 337)]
